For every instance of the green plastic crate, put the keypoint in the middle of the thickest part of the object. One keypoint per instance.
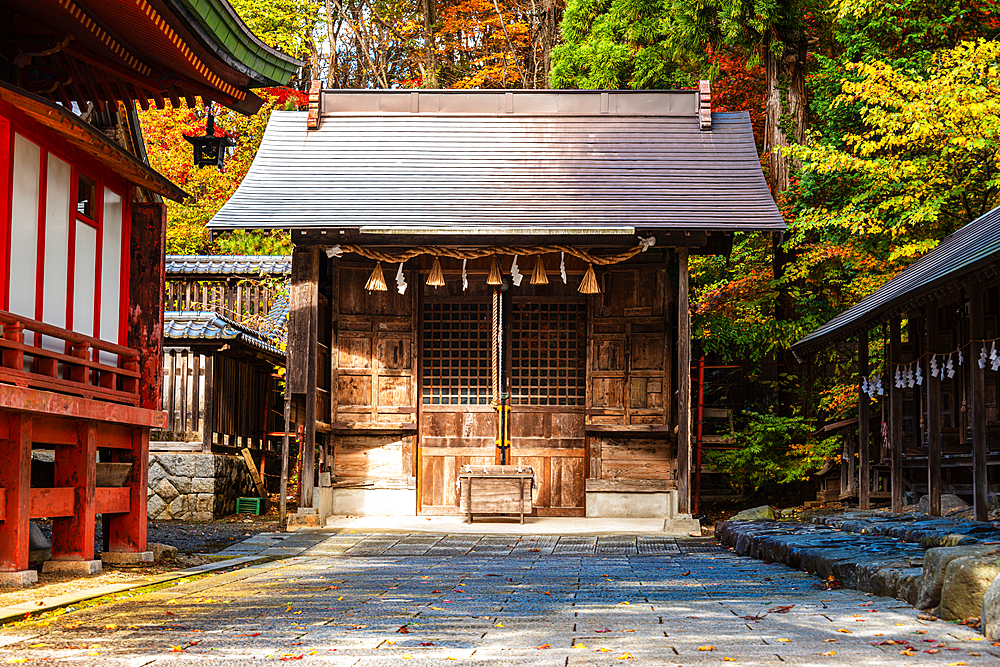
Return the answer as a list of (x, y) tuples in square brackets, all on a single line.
[(248, 505)]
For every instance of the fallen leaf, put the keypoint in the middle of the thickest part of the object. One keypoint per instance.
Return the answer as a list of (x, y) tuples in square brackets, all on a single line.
[(625, 656), (706, 648), (604, 650), (907, 652), (578, 646), (624, 603), (725, 659), (828, 641), (783, 639), (831, 653), (845, 631), (684, 574), (290, 656), (176, 649), (955, 664), (498, 625), (782, 609), (403, 629), (543, 646)]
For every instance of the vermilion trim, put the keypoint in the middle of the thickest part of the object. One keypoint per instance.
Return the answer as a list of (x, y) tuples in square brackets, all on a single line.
[(6, 206)]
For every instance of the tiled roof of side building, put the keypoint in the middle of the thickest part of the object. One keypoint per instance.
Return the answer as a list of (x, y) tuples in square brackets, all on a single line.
[(181, 325), (236, 265), (969, 251)]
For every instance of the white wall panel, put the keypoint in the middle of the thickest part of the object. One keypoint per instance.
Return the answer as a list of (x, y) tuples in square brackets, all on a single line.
[(55, 267), (112, 281), (24, 227), (85, 279)]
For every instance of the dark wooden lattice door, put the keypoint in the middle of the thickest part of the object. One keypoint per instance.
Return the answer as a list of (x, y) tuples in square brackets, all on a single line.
[(547, 386), (457, 424)]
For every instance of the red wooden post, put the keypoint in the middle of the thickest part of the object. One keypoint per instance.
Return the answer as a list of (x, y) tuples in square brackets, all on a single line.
[(145, 309), (13, 358), (15, 479), (76, 468), (127, 532), (80, 373)]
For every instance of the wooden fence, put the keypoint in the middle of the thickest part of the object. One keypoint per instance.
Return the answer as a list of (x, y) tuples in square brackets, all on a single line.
[(242, 300)]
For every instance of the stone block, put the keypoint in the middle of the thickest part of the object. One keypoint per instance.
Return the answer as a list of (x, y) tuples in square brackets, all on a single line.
[(203, 465), (78, 567), (184, 465), (156, 472), (124, 558), (682, 526), (990, 612), (166, 490), (966, 581), (949, 503), (166, 461), (204, 503), (755, 514), (936, 560), (162, 551), (155, 507), (18, 579), (178, 507), (203, 485)]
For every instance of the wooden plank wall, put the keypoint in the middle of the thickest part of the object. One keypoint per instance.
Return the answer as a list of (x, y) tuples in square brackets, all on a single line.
[(237, 299), (630, 405)]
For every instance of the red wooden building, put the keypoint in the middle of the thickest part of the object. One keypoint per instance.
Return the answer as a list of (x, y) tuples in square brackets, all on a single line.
[(81, 252)]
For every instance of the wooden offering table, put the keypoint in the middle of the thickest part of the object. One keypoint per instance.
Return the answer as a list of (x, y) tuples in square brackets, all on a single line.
[(495, 489)]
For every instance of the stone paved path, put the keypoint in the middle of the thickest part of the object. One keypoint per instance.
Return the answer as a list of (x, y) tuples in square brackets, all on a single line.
[(370, 599)]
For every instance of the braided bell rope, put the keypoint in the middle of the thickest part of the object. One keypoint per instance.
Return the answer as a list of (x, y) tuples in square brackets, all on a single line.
[(478, 253)]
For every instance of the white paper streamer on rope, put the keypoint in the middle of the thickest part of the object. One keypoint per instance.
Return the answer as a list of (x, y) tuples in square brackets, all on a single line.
[(864, 385), (465, 276), (879, 389), (562, 266), (934, 366), (983, 356), (994, 358), (400, 280), (950, 368), (899, 378), (919, 374), (909, 378), (961, 359), (515, 274), (647, 242), (335, 251)]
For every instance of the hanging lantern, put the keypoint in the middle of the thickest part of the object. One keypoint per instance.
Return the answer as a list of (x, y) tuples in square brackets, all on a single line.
[(589, 284), (538, 276), (436, 279), (376, 283), (210, 150), (495, 278)]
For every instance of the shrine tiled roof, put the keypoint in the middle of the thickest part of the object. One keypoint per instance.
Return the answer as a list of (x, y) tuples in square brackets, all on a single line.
[(181, 325), (237, 265)]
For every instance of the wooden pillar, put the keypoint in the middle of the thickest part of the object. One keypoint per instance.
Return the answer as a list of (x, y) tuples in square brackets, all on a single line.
[(208, 420), (980, 485), (933, 415), (127, 532), (147, 275), (864, 437), (683, 386), (303, 331), (895, 415), (15, 490), (76, 468)]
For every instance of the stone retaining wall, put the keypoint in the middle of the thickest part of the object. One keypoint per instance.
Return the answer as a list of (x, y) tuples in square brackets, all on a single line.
[(195, 486)]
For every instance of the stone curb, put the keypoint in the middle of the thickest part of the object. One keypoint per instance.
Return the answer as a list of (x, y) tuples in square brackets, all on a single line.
[(923, 529), (19, 611)]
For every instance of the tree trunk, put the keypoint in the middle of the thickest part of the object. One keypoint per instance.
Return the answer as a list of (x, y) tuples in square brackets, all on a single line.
[(785, 120), (430, 73)]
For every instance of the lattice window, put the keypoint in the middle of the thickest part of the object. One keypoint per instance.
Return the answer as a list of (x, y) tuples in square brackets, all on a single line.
[(456, 354), (548, 356)]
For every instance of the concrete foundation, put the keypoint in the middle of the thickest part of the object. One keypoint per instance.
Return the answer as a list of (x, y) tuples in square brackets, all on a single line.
[(126, 558), (18, 579), (619, 505), (365, 502), (78, 567), (682, 525)]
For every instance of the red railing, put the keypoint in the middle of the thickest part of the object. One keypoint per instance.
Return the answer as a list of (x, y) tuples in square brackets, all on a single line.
[(75, 373)]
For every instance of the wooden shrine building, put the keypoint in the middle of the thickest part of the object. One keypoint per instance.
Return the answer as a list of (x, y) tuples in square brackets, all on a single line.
[(938, 389), (488, 277), (81, 252)]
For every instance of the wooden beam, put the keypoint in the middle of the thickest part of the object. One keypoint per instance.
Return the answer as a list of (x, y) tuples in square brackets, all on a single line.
[(980, 482), (683, 386), (112, 500), (52, 502), (127, 532), (864, 437), (933, 413), (257, 481), (15, 478), (895, 415), (37, 401), (208, 421)]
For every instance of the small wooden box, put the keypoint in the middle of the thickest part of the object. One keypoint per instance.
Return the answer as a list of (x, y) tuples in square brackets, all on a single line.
[(496, 490)]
